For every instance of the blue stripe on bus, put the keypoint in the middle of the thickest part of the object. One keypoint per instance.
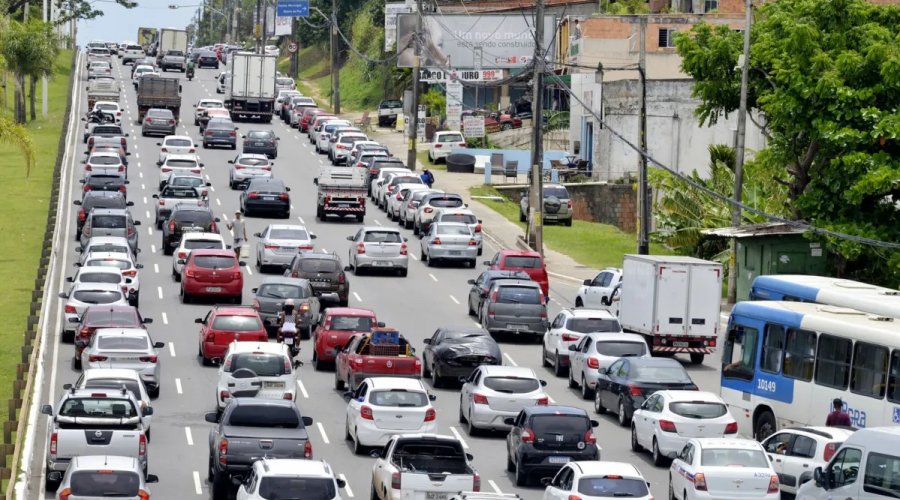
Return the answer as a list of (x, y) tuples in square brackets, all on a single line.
[(775, 288), (765, 313), (766, 385)]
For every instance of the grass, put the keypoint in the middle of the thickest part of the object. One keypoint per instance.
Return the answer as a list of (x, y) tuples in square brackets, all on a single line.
[(588, 243), (25, 201), (314, 80), (422, 156)]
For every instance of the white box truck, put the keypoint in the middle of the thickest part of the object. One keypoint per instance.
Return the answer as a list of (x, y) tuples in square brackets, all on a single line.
[(674, 301), (251, 93), (172, 49)]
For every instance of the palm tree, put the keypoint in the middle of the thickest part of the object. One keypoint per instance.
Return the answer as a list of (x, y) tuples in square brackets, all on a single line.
[(29, 50), (16, 134)]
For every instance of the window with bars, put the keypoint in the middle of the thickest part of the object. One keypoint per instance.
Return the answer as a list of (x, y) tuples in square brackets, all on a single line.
[(667, 38), (710, 5)]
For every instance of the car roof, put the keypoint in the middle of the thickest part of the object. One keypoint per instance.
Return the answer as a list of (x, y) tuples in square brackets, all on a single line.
[(605, 468), (735, 443), (183, 156), (591, 313), (99, 269), (123, 332), (455, 211), (654, 362), (234, 310), (105, 153), (108, 255), (555, 410), (198, 235), (397, 383), (507, 252), (319, 255), (349, 311), (256, 347), (104, 240), (259, 181), (109, 211), (462, 329), (503, 370), (830, 432), (514, 282), (704, 396), (295, 467), (92, 373), (495, 274), (105, 287), (381, 229), (180, 137), (253, 155), (616, 337)]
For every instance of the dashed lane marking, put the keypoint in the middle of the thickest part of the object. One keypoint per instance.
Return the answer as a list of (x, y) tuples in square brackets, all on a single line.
[(197, 489), (188, 437), (509, 358), (434, 279), (347, 489), (356, 295), (172, 349), (459, 436), (165, 318), (302, 389), (178, 385), (156, 268), (159, 292), (322, 432), (454, 300)]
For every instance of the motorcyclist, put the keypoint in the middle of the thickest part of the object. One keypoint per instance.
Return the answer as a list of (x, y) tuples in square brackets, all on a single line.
[(97, 115), (288, 318), (189, 72)]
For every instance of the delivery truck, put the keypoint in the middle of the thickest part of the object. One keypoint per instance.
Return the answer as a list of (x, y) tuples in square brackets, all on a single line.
[(172, 42), (251, 92)]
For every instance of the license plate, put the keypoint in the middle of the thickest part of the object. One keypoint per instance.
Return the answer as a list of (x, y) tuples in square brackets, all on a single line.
[(517, 327), (455, 252), (274, 385), (258, 144), (681, 344), (214, 289), (381, 263), (436, 496), (319, 285), (289, 340), (268, 198), (558, 460)]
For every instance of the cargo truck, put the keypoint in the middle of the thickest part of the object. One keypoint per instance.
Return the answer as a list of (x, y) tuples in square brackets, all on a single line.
[(158, 92), (146, 38), (342, 192), (172, 51), (102, 89), (251, 90), (673, 301)]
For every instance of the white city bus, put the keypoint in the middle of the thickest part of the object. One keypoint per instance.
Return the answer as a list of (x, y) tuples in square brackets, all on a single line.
[(784, 362), (825, 290)]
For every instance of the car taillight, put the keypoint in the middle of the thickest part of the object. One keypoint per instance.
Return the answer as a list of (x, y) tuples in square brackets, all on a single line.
[(527, 435), (236, 275), (479, 399), (304, 308), (830, 450), (212, 227), (271, 247), (476, 482), (148, 120), (192, 150), (667, 426), (122, 188), (569, 203), (171, 122), (130, 232), (568, 337), (54, 441), (366, 413), (635, 390), (395, 481), (700, 481), (171, 226), (165, 169), (82, 215), (403, 249), (93, 358), (589, 437), (342, 278), (143, 495), (190, 273), (162, 202), (593, 363), (253, 196), (774, 485), (164, 150), (123, 141), (478, 228), (195, 170), (142, 446), (87, 188), (430, 415), (88, 168), (121, 168), (731, 428), (148, 359), (288, 396), (65, 494), (284, 196), (85, 332), (543, 401), (70, 309), (360, 248), (428, 210), (439, 145), (575, 497), (223, 451), (209, 132), (182, 255), (307, 450)]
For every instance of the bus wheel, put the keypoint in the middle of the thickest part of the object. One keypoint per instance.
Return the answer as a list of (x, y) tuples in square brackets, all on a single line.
[(765, 425)]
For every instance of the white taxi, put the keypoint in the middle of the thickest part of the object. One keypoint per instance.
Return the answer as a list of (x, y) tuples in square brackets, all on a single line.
[(716, 468), (255, 369), (587, 480)]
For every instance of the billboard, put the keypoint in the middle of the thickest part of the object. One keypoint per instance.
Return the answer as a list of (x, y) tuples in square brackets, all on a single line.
[(390, 23), (283, 26), (452, 40)]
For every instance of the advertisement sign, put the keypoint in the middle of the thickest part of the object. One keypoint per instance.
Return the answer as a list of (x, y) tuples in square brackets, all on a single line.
[(451, 40), (454, 104), (464, 75), (270, 21), (284, 26), (293, 8), (473, 126), (390, 23)]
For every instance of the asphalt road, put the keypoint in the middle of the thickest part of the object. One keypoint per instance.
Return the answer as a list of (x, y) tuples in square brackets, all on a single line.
[(418, 304)]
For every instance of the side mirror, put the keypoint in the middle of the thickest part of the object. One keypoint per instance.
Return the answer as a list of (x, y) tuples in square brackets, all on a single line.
[(817, 476), (74, 319), (159, 144), (427, 341), (382, 324), (67, 387), (182, 261), (231, 162), (405, 239), (349, 238), (348, 395), (545, 481), (594, 423), (312, 236), (147, 321), (217, 219), (543, 383), (487, 262), (63, 295), (70, 279), (242, 264), (159, 345), (151, 478), (211, 417), (287, 188), (587, 282), (509, 421), (129, 203), (139, 266), (471, 282), (148, 411), (258, 235), (253, 290), (47, 410), (462, 380), (470, 457), (155, 196), (137, 222), (316, 181), (432, 397), (128, 153), (83, 162), (573, 348), (77, 202), (307, 421), (603, 371), (341, 483)]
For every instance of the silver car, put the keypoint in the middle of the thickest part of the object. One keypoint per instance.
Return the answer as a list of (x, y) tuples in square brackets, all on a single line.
[(126, 348), (377, 247), (517, 307), (110, 222), (169, 196), (103, 476), (101, 244), (599, 350), (115, 378), (449, 241), (492, 393), (124, 262), (278, 243), (248, 166), (83, 295), (399, 197), (465, 216), (409, 206)]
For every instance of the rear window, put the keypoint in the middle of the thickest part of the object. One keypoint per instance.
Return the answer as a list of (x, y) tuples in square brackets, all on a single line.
[(109, 247), (318, 266), (99, 278), (265, 416), (105, 484), (523, 262), (446, 202), (96, 296), (104, 160), (108, 222), (288, 234), (98, 407), (351, 323), (451, 138), (591, 325), (619, 487), (559, 192), (512, 385), (661, 374), (463, 218), (111, 318), (263, 365), (391, 104), (266, 187), (347, 139), (282, 291), (214, 262), (201, 217), (103, 202), (406, 179), (160, 113), (253, 162), (288, 488), (725, 457), (179, 143), (619, 349), (237, 323), (183, 180), (179, 192), (203, 244), (454, 230), (261, 134), (382, 237), (559, 424), (698, 409), (181, 163), (118, 264), (399, 399), (124, 343), (519, 295)]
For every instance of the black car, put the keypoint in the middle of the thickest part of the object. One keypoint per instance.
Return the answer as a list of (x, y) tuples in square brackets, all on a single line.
[(266, 195), (453, 352), (218, 132), (186, 217), (263, 142), (482, 284), (378, 164), (544, 438), (325, 273), (207, 59), (105, 182), (626, 383), (97, 199)]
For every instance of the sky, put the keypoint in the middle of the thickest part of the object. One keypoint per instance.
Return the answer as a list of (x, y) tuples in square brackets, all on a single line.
[(119, 24)]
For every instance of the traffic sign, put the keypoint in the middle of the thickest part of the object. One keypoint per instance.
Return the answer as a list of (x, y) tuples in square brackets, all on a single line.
[(293, 8), (292, 47)]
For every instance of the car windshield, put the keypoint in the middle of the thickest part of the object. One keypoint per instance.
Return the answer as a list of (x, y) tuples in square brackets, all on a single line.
[(698, 409), (104, 160), (100, 278), (351, 323), (263, 365), (452, 229), (382, 237), (613, 486), (463, 218), (318, 266), (282, 291), (108, 221), (591, 325), (399, 398), (559, 424), (97, 296), (124, 343), (288, 234), (296, 488), (450, 138), (214, 261), (179, 192), (265, 416), (726, 457), (406, 179), (114, 383), (204, 244), (104, 483), (512, 385), (98, 408), (519, 295), (618, 349), (178, 143), (522, 262), (237, 323), (661, 374), (118, 264)]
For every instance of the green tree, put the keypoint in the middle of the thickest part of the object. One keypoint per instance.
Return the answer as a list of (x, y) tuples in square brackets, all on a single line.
[(825, 80), (15, 134), (29, 50)]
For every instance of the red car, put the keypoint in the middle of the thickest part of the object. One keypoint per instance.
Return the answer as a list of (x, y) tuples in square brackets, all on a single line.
[(95, 317), (529, 262), (225, 324), (337, 326), (211, 273), (381, 353), (308, 116)]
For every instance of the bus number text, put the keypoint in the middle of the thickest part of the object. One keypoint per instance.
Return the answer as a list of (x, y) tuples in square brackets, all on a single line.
[(766, 385)]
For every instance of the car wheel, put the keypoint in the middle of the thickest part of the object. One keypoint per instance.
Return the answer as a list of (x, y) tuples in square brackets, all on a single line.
[(471, 429), (220, 486), (374, 494), (622, 416), (579, 302), (671, 490), (76, 362), (462, 419), (422, 256), (558, 369), (658, 458), (572, 383), (598, 405), (544, 362), (175, 275), (426, 372), (568, 222), (586, 391), (435, 378), (185, 298), (358, 449), (510, 466), (338, 383), (765, 426), (407, 224), (635, 446), (521, 476), (469, 306)]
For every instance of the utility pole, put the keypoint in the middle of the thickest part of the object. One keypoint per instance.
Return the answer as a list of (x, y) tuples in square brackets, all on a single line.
[(235, 17), (643, 247), (265, 25), (414, 109), (536, 235), (739, 153), (257, 31), (46, 12), (335, 55)]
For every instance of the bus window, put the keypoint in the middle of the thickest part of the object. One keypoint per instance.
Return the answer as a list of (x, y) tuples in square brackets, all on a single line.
[(739, 355), (800, 354), (869, 374), (833, 367), (893, 394), (773, 349)]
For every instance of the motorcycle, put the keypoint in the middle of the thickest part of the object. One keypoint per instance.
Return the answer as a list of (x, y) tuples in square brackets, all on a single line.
[(100, 117), (189, 73)]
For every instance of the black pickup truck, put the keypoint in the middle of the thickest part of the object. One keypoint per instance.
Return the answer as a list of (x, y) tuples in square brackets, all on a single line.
[(250, 429)]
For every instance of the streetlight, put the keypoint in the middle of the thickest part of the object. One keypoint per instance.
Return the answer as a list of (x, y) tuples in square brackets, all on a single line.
[(213, 10)]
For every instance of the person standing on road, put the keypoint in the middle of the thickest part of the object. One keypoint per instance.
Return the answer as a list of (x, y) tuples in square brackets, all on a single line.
[(240, 233), (838, 416), (427, 178)]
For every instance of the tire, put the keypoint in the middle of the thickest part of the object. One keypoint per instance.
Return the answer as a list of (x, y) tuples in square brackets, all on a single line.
[(544, 362), (568, 222), (436, 379), (76, 363), (407, 224), (510, 466), (558, 369), (49, 484), (572, 383), (635, 446), (426, 373), (358, 449), (579, 302), (219, 487), (338, 383), (622, 415), (697, 358), (373, 495), (765, 426), (470, 428), (521, 476), (422, 256), (671, 490), (167, 250), (586, 391), (462, 419), (598, 405), (317, 365), (469, 306), (659, 459), (185, 298)]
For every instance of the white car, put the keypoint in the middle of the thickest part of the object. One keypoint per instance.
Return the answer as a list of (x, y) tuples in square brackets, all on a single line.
[(104, 163), (127, 349), (254, 369), (278, 243), (396, 199), (589, 480), (98, 69), (340, 147), (494, 393), (272, 50), (391, 183), (596, 350), (383, 406), (274, 478), (222, 82), (99, 274), (442, 143), (714, 468), (142, 69), (115, 378), (566, 330), (176, 145), (108, 107), (131, 53), (408, 209), (667, 419), (123, 261), (192, 240), (795, 452), (179, 164), (324, 135), (363, 142), (84, 295), (248, 166), (285, 83), (99, 244), (596, 293), (205, 104), (462, 215), (383, 177), (429, 206)]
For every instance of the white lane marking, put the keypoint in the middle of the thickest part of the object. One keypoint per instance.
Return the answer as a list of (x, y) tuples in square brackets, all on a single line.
[(207, 177), (143, 186), (156, 268), (413, 256), (356, 295), (197, 488), (435, 279), (302, 389), (377, 222), (346, 485), (218, 202), (172, 349), (149, 231), (495, 487), (136, 155), (135, 147), (187, 435), (145, 202), (211, 188), (159, 292), (509, 358), (148, 212), (224, 217), (323, 250), (152, 248), (178, 385), (459, 436), (250, 270), (140, 174), (477, 324), (322, 432), (454, 300), (165, 318), (301, 220), (292, 206)]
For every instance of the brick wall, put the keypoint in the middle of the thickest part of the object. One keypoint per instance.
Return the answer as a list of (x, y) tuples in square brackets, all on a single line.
[(613, 204)]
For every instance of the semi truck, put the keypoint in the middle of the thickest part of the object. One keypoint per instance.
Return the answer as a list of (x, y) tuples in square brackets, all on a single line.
[(172, 49), (146, 38), (158, 92), (251, 90)]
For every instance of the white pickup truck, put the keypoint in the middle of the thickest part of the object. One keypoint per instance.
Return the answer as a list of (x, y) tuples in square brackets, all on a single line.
[(94, 422), (422, 467)]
